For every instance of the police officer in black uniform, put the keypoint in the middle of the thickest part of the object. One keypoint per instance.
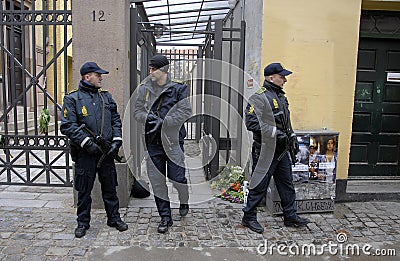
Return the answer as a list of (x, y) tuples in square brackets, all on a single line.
[(162, 107), (96, 109), (268, 117)]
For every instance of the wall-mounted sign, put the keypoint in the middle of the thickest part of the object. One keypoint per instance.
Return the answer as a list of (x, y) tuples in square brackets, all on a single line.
[(393, 77), (250, 83)]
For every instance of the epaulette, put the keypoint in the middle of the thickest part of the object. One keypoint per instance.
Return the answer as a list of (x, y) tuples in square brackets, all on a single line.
[(261, 90), (72, 91), (102, 90), (178, 81)]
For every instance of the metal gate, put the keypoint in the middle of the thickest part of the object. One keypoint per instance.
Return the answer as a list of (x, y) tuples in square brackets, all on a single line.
[(36, 65), (224, 42)]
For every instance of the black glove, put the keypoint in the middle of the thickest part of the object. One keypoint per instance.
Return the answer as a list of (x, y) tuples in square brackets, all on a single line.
[(92, 148), (151, 117), (281, 138), (154, 124), (115, 145), (295, 145)]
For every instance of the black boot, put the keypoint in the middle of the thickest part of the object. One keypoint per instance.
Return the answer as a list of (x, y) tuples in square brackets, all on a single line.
[(296, 221), (183, 209), (253, 225), (164, 225), (80, 231), (119, 225)]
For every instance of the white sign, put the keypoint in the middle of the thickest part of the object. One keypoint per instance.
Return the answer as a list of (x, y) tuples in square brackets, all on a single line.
[(393, 77)]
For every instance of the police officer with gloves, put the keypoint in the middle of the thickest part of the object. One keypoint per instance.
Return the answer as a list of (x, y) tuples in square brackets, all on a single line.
[(162, 107), (91, 109), (267, 116)]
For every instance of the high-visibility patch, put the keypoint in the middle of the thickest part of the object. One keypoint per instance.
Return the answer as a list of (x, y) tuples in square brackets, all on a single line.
[(251, 109), (65, 112), (276, 106), (261, 90), (84, 111)]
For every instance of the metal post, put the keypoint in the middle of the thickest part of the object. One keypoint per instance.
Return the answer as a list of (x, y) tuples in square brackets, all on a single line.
[(216, 93)]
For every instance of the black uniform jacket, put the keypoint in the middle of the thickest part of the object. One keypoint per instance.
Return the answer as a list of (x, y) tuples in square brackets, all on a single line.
[(171, 105), (267, 112), (85, 106)]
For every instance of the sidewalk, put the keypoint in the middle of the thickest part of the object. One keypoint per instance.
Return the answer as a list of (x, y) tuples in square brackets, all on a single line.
[(37, 223)]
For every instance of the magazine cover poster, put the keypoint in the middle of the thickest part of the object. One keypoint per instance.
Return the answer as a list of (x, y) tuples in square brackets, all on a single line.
[(323, 158)]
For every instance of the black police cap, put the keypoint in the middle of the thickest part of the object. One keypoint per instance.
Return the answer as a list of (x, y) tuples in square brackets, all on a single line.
[(89, 67), (275, 68)]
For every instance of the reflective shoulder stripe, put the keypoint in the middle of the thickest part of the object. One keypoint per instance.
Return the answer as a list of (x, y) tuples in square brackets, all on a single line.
[(178, 81), (147, 95), (74, 90), (261, 90)]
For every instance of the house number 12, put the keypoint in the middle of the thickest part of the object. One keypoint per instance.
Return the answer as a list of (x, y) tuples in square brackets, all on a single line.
[(99, 15)]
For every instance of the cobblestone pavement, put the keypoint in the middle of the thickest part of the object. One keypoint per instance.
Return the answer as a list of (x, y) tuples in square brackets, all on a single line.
[(37, 223)]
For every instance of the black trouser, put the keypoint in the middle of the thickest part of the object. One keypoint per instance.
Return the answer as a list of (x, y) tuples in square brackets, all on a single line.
[(281, 170), (169, 164), (84, 177)]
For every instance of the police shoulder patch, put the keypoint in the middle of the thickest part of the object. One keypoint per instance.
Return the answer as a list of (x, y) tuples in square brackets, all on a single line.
[(275, 102), (261, 90), (251, 109)]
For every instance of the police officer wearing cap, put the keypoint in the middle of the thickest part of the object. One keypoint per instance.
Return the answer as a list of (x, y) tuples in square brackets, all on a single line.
[(96, 109), (267, 116), (162, 107)]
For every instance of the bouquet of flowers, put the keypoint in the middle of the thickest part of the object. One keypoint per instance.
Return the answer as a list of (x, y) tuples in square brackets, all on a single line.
[(230, 182)]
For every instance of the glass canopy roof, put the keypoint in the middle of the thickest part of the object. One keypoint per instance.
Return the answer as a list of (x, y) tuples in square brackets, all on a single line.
[(184, 21)]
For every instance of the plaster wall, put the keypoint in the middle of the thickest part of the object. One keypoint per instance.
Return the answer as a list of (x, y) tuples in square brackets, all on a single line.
[(318, 41)]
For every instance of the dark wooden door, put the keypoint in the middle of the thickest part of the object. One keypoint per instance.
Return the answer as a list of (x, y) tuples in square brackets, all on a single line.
[(375, 143), (15, 71)]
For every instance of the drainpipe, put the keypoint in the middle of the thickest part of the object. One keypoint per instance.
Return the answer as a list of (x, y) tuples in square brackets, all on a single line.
[(242, 6)]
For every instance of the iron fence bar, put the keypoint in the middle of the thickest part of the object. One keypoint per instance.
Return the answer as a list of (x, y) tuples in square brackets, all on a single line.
[(45, 40), (34, 79), (55, 85), (216, 92), (199, 92), (38, 175), (33, 17), (12, 84), (15, 29), (241, 86), (23, 82), (65, 69), (228, 150), (34, 89), (4, 79)]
